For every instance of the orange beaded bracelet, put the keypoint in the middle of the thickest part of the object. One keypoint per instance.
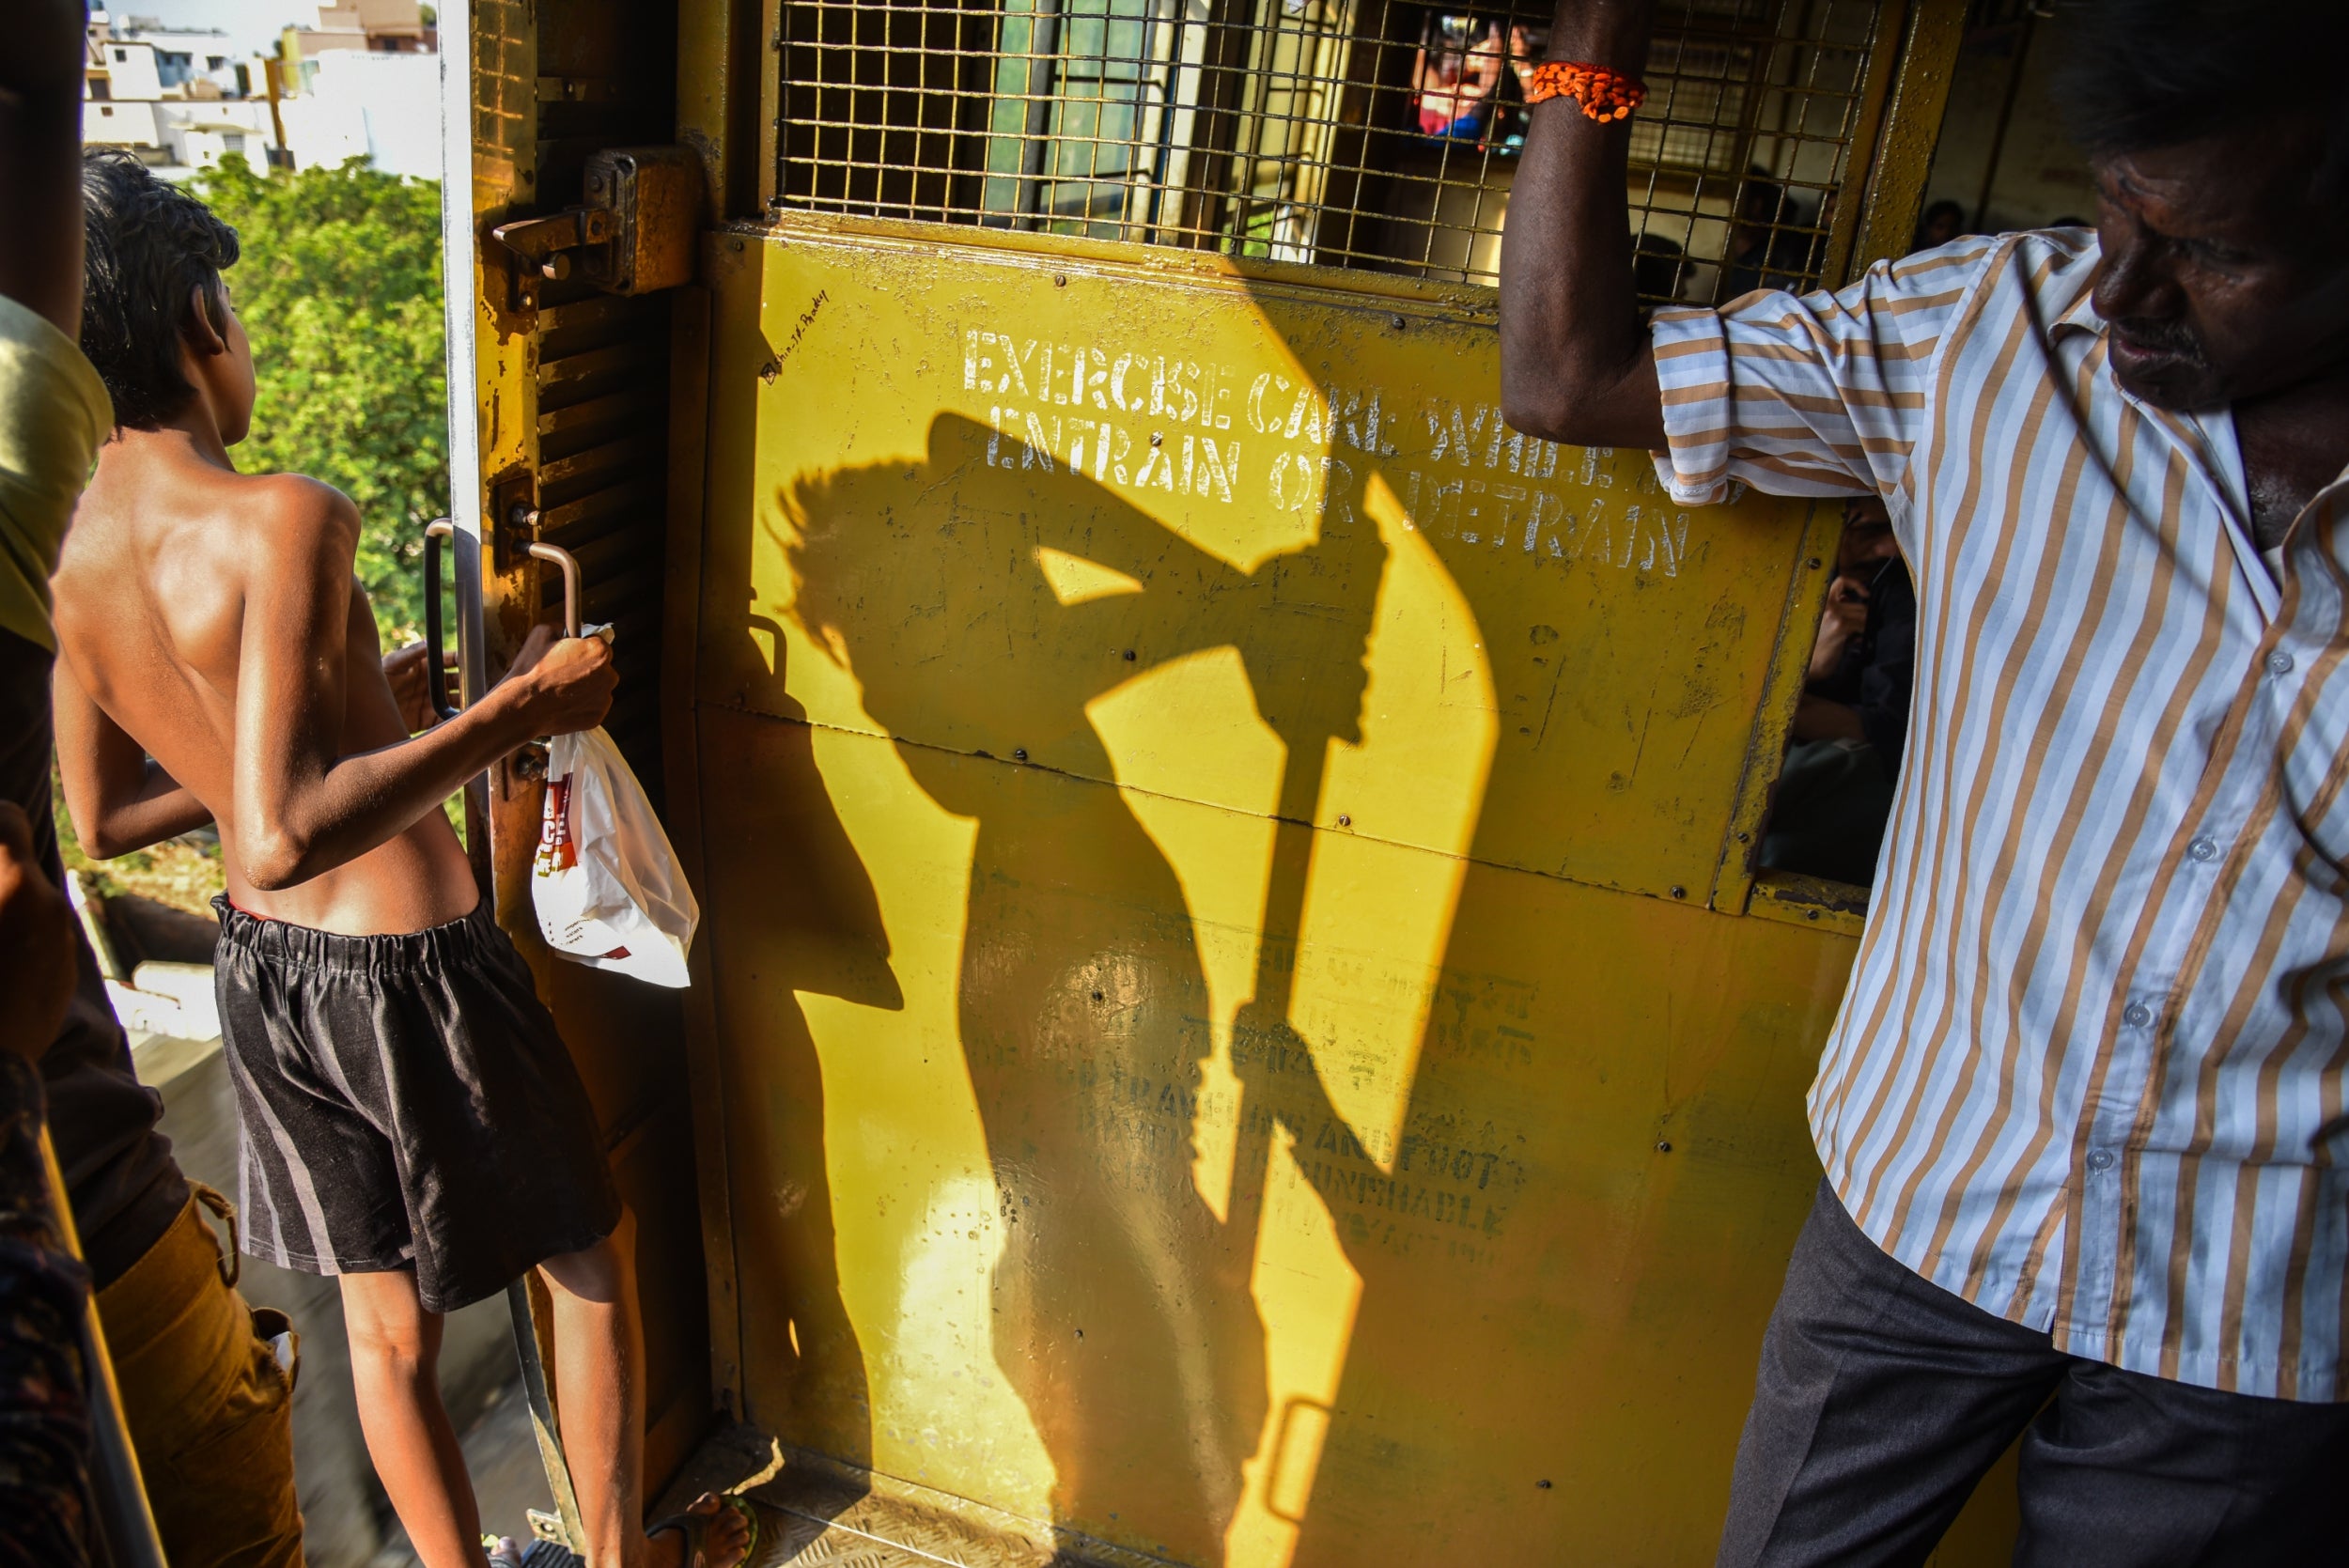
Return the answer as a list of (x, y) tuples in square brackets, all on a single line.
[(1604, 95)]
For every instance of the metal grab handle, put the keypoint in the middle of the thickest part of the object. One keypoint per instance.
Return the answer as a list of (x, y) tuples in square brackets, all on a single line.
[(436, 661), (569, 564)]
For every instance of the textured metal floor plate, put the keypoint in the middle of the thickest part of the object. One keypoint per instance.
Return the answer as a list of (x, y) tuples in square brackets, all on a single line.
[(815, 1515)]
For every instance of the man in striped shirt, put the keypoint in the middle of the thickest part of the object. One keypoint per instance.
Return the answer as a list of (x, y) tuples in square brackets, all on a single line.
[(2082, 1115)]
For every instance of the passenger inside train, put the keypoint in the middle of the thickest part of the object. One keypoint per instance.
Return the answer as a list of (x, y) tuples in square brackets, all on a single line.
[(1834, 793)]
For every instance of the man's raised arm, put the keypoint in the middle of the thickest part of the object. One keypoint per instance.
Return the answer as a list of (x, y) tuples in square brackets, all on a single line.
[(1575, 362)]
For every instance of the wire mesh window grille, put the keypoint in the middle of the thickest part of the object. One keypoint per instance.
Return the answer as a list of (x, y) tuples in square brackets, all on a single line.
[(1364, 133)]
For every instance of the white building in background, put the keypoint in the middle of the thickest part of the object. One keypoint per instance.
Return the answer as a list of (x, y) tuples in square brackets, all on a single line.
[(363, 84), (179, 99), (201, 64), (370, 27), (361, 103)]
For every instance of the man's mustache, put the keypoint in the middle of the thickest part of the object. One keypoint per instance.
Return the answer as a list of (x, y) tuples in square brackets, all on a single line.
[(2167, 338)]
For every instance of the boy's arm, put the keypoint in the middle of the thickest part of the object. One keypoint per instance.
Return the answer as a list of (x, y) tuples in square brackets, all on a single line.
[(302, 807), (1576, 362), (118, 798), (41, 159)]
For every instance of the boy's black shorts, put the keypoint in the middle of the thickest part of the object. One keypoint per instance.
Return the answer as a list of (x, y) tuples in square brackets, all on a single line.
[(405, 1101)]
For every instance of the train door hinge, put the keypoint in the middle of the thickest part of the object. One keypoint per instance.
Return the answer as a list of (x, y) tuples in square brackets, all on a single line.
[(632, 235)]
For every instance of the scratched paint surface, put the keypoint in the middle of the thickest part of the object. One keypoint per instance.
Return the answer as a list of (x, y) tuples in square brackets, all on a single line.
[(1213, 1055)]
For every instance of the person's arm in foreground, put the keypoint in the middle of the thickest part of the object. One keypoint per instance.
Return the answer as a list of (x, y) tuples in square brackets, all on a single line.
[(1576, 365), (302, 807), (44, 1409), (44, 1412), (41, 159)]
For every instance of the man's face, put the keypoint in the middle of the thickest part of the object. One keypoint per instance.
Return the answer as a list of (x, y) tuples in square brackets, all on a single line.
[(2223, 276)]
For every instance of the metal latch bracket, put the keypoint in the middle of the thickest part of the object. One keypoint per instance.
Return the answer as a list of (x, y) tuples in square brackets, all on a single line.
[(632, 235)]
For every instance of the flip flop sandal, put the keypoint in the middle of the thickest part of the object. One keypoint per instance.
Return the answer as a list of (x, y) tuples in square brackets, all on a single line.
[(696, 1529)]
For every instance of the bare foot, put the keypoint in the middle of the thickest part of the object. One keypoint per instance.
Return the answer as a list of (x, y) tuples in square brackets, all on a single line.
[(507, 1553), (724, 1545)]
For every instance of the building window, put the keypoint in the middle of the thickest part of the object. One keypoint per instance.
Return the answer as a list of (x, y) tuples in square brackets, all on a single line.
[(101, 89), (121, 56), (107, 113)]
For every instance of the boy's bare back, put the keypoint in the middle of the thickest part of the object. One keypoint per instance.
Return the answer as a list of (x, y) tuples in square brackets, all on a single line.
[(175, 573)]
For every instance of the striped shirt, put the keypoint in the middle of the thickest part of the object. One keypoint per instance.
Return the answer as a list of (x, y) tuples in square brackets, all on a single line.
[(2088, 1073)]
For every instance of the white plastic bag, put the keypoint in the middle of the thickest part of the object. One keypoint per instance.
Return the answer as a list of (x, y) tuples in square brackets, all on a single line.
[(606, 884)]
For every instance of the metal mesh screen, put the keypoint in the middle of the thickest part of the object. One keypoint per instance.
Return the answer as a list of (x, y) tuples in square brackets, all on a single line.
[(1365, 133)]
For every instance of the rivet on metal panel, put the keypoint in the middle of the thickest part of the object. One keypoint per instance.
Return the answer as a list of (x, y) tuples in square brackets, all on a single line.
[(1663, 1148), (1020, 753), (1680, 892), (1398, 323), (1346, 822), (1129, 655), (1812, 564), (1156, 438), (1542, 1485), (1060, 280), (734, 245)]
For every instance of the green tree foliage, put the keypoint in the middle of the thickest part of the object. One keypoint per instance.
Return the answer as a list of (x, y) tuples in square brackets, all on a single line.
[(339, 289)]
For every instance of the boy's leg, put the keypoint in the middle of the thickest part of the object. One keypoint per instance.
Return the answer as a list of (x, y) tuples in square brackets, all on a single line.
[(395, 1363), (599, 1391), (1881, 1400), (600, 1398)]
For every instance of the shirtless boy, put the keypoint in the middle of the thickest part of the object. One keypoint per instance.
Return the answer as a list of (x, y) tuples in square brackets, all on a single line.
[(410, 1120)]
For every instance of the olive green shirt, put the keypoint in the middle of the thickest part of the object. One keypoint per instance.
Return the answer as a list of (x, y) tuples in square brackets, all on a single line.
[(54, 413)]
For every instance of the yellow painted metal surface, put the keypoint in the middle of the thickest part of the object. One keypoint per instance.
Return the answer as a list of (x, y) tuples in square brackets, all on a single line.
[(1221, 1043)]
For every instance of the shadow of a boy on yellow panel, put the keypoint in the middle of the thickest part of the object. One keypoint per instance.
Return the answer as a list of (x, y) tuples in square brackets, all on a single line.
[(818, 931), (1122, 1305)]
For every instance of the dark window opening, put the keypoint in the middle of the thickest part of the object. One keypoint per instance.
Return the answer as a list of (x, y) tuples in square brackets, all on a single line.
[(1834, 792)]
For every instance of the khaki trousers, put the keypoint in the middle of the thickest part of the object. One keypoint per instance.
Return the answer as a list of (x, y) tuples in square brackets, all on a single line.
[(209, 1407)]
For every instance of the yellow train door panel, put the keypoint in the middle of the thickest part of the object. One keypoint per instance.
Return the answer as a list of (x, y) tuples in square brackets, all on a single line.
[(1207, 834)]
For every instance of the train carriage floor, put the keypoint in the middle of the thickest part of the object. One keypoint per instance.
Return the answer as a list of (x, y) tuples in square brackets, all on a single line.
[(814, 1513)]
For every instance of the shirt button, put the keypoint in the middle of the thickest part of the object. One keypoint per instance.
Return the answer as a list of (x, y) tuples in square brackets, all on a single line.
[(2203, 848), (2137, 1014), (2279, 662), (2100, 1160)]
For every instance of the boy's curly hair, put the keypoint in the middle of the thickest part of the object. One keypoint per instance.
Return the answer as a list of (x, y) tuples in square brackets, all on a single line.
[(150, 247)]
